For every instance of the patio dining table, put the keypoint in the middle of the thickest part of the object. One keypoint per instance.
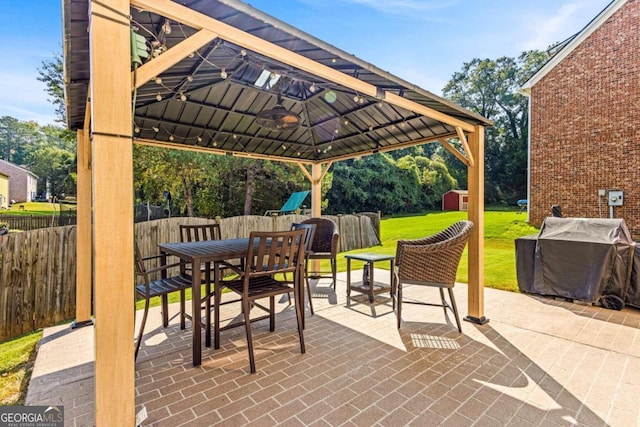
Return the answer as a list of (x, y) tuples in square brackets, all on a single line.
[(210, 253), (206, 252)]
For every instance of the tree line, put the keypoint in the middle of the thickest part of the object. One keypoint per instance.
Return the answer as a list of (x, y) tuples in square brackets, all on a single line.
[(404, 181)]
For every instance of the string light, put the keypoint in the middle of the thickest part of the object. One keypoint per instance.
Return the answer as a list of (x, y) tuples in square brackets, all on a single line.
[(170, 137), (159, 97), (136, 129), (156, 129), (199, 138), (183, 97), (312, 88), (223, 74), (158, 80)]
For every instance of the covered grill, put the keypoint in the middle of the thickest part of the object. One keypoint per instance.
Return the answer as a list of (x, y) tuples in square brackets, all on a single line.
[(585, 259)]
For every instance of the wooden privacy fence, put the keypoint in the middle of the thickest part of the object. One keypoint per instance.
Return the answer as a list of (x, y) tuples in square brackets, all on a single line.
[(33, 222), (38, 267), (37, 279)]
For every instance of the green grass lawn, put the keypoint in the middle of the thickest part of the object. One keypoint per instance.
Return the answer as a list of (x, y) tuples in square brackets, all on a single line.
[(501, 229), (16, 362), (35, 208)]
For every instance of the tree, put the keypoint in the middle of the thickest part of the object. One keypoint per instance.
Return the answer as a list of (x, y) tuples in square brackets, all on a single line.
[(491, 88), (52, 75)]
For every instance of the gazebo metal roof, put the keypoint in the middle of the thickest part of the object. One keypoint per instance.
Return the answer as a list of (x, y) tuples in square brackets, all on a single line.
[(209, 100)]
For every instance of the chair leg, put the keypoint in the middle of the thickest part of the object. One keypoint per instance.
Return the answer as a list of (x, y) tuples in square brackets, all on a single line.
[(272, 313), (300, 318), (334, 272), (142, 324), (247, 327), (399, 301), (455, 309), (165, 310), (309, 295), (182, 309), (444, 301)]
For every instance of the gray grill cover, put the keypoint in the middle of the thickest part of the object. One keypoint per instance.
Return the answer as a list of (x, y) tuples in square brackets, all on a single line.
[(578, 258)]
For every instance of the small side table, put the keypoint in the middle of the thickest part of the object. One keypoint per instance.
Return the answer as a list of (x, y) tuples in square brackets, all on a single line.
[(369, 286)]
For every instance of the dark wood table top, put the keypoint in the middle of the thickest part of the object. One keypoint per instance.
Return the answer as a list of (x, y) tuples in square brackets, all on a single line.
[(207, 250)]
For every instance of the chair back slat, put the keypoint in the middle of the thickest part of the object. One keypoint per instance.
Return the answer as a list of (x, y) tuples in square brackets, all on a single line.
[(275, 252), (200, 232)]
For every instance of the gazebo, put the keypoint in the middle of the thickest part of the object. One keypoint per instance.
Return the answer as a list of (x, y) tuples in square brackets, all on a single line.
[(221, 77)]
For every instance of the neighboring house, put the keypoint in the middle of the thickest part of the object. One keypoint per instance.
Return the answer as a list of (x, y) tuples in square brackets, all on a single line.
[(23, 184), (584, 136), (4, 191), (455, 200)]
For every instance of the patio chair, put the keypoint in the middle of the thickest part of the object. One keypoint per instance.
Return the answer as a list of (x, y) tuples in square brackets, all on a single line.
[(310, 230), (291, 205), (160, 287), (432, 261), (269, 254), (201, 232), (325, 246)]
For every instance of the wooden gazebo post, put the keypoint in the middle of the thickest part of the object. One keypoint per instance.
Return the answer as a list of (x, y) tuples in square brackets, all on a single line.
[(84, 280), (112, 172), (476, 215)]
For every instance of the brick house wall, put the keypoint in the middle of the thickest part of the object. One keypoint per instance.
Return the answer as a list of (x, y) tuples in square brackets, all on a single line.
[(22, 183), (585, 125)]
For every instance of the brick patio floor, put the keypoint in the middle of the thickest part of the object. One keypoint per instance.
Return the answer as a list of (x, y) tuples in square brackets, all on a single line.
[(538, 362)]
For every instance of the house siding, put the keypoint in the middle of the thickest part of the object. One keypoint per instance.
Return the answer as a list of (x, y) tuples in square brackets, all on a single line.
[(4, 191), (22, 183), (585, 125)]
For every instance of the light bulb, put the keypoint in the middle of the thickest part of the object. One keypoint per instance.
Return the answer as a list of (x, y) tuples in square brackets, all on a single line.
[(191, 55), (346, 122), (136, 129), (284, 147), (243, 53), (329, 148), (223, 74), (355, 98), (183, 97), (199, 139), (166, 27), (170, 137), (235, 136), (159, 97), (156, 129), (189, 78), (158, 80), (312, 88), (215, 144)]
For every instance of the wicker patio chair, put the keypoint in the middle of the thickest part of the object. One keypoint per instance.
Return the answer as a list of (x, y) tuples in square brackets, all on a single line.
[(432, 261), (325, 246), (148, 268), (269, 254)]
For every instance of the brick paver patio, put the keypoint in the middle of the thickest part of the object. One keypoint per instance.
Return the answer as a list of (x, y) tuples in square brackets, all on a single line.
[(538, 362)]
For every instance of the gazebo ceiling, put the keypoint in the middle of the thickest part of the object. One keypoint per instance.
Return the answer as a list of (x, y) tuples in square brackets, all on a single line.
[(210, 99)]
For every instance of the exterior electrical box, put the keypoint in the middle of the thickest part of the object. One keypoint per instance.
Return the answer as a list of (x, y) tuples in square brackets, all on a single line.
[(615, 197)]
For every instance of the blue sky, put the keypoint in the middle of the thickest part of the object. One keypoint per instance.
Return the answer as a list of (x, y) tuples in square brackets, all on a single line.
[(422, 41)]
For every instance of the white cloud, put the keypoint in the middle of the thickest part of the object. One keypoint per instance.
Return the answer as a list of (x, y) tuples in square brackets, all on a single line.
[(545, 30)]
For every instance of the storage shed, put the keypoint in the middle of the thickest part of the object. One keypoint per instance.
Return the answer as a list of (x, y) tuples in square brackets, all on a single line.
[(455, 200)]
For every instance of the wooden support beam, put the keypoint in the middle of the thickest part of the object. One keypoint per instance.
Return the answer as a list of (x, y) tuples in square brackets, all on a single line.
[(192, 18), (455, 152), (476, 242), (112, 178), (157, 66), (465, 145), (84, 278)]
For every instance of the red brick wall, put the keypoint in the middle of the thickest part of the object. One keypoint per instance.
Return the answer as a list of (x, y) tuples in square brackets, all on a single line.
[(585, 125)]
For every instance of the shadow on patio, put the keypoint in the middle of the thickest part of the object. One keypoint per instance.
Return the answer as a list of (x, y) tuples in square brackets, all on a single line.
[(538, 362)]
